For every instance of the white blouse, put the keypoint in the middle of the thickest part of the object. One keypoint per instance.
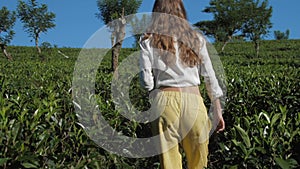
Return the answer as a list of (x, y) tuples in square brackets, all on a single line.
[(155, 73)]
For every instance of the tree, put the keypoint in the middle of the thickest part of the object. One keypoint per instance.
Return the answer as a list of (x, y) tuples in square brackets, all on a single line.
[(244, 18), (36, 19), (116, 10), (257, 21), (7, 21), (282, 35), (228, 19)]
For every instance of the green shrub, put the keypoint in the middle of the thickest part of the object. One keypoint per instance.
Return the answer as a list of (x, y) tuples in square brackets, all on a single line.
[(39, 127)]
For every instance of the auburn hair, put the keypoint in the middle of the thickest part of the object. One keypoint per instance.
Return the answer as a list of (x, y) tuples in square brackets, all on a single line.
[(169, 24)]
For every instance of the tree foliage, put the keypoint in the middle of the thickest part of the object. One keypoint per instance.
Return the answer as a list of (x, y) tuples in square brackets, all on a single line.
[(36, 19), (7, 21), (112, 9), (227, 19), (282, 35), (247, 18), (257, 21), (112, 13)]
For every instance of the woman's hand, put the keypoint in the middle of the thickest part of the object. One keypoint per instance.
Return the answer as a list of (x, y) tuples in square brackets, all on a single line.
[(221, 124), (218, 117)]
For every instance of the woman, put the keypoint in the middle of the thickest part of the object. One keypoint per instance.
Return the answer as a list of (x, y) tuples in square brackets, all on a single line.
[(172, 58)]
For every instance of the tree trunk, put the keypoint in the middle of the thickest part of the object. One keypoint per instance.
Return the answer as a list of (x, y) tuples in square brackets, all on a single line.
[(112, 38), (117, 47), (6, 54), (115, 56), (37, 43), (256, 43), (224, 45), (119, 35)]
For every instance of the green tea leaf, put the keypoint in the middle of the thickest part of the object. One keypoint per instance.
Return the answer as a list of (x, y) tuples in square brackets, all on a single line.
[(3, 161), (29, 165), (275, 118), (286, 164), (265, 115), (244, 136)]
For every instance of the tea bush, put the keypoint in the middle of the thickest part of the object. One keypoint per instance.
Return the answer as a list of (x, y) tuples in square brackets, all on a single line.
[(40, 129), (262, 115)]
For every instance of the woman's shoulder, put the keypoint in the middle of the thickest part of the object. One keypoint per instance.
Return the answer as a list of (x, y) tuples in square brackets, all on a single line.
[(202, 39), (144, 41), (145, 37), (201, 36)]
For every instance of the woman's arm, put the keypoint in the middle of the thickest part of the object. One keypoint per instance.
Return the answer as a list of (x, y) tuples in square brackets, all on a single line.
[(145, 64), (212, 87)]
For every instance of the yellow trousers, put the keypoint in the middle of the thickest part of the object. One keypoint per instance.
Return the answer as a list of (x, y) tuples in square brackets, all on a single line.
[(183, 121)]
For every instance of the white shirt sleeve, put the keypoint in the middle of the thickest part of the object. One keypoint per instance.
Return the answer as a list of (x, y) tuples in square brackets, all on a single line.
[(145, 62), (207, 71)]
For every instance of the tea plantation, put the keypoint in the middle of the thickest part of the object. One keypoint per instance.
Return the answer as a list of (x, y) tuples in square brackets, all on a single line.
[(39, 127)]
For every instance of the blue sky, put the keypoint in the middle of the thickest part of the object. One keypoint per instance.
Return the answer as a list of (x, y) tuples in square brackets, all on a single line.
[(76, 21)]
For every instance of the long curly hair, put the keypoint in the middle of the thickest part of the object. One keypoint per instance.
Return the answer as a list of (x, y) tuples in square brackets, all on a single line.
[(169, 24)]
